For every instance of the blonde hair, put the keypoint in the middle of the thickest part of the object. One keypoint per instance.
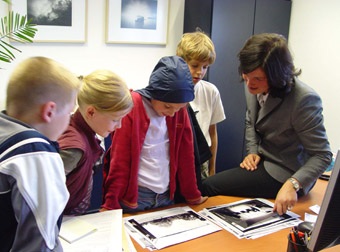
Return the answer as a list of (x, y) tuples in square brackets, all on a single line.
[(196, 46), (38, 80), (105, 91)]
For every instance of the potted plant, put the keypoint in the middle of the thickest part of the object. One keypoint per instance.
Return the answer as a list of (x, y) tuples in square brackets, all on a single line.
[(16, 28)]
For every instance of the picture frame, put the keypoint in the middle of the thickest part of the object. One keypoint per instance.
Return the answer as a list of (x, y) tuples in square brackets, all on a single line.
[(56, 22), (137, 22)]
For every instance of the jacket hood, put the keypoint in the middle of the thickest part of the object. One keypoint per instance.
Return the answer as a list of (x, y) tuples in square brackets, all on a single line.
[(170, 81)]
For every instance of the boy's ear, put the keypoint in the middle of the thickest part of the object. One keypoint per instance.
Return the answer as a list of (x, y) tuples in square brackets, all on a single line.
[(90, 110), (48, 111)]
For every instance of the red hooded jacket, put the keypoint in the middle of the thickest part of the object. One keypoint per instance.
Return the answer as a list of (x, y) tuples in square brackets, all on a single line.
[(120, 181)]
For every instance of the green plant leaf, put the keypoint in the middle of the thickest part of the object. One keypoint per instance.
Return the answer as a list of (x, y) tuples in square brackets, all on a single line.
[(7, 47), (17, 28)]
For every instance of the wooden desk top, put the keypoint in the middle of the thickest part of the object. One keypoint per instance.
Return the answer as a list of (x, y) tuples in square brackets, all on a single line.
[(227, 242)]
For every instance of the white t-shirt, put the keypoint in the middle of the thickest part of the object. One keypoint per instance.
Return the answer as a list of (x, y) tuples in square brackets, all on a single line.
[(154, 161), (207, 106)]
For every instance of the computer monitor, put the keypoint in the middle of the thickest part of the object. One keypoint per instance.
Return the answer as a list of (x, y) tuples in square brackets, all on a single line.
[(326, 231)]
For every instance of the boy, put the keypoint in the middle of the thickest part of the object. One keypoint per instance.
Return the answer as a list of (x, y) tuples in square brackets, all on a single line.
[(41, 94), (198, 51), (154, 146)]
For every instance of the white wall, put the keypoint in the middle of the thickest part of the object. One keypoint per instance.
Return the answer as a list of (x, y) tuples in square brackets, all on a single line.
[(134, 63), (314, 39)]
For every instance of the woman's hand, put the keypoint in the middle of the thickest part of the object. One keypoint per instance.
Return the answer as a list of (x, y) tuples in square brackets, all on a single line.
[(250, 162), (286, 198)]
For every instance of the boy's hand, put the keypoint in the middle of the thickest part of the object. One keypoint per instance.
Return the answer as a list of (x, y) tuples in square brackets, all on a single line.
[(103, 209), (203, 199)]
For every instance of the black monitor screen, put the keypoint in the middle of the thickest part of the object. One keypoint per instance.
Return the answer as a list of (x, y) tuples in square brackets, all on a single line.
[(326, 231)]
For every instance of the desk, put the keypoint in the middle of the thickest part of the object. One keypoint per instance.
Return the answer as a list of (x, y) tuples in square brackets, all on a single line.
[(227, 242)]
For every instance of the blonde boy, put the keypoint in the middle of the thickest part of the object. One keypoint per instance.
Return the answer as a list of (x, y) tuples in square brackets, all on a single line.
[(40, 96), (198, 51)]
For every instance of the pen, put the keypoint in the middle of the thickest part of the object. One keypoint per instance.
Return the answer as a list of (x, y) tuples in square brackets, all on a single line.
[(301, 234), (299, 237), (292, 235)]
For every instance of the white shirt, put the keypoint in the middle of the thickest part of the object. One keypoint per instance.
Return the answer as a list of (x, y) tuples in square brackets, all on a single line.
[(262, 98), (207, 106), (154, 161)]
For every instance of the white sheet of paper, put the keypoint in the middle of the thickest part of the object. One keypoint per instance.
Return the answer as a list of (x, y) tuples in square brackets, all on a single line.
[(107, 238), (127, 243), (315, 209), (310, 217), (75, 229)]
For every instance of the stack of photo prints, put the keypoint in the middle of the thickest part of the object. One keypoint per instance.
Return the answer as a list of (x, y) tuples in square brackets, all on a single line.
[(249, 218)]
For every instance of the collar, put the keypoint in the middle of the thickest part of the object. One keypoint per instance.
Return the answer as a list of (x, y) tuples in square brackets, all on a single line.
[(4, 115), (262, 98), (78, 121)]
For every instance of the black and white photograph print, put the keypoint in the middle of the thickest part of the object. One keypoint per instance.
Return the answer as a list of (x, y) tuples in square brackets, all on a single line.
[(137, 21), (169, 225), (139, 14), (248, 214), (250, 218), (50, 12), (57, 21)]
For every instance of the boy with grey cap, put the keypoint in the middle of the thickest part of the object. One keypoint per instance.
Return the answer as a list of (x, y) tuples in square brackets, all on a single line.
[(154, 147)]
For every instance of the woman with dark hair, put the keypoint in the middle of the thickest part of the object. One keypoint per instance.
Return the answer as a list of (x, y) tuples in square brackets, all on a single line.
[(286, 141), (269, 52)]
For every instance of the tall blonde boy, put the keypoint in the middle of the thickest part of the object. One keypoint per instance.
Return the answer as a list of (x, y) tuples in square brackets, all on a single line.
[(198, 51), (41, 94)]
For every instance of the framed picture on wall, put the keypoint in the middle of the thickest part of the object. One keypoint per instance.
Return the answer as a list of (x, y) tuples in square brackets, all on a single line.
[(57, 21), (137, 21)]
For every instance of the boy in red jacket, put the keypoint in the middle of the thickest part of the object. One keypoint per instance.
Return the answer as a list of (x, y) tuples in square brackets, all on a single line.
[(154, 147)]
